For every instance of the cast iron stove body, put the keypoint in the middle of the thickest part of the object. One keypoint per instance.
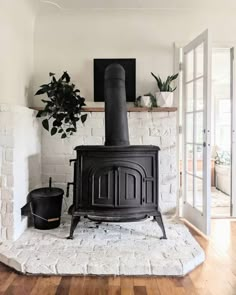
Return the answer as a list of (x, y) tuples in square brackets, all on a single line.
[(118, 181)]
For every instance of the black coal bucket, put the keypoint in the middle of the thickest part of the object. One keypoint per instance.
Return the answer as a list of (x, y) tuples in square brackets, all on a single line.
[(45, 204)]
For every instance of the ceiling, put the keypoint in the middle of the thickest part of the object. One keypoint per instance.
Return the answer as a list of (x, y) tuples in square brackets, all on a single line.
[(137, 4)]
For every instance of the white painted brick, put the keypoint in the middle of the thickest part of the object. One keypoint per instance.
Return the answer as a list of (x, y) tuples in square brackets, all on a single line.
[(10, 181), (3, 233), (82, 130), (93, 140), (147, 123), (173, 188), (55, 177), (99, 122), (160, 131), (9, 155), (165, 188), (7, 169), (168, 122), (3, 207), (7, 141), (98, 132), (159, 115), (54, 160), (152, 140), (167, 141), (7, 194), (168, 197), (96, 115), (134, 122), (3, 181), (139, 131), (10, 207), (49, 169), (135, 140), (139, 115), (7, 220)]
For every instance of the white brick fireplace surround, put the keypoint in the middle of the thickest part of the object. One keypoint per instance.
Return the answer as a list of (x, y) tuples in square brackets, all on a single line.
[(154, 128), (20, 166), (29, 156)]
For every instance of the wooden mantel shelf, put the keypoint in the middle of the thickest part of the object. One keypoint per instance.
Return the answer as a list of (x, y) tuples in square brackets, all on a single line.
[(130, 109)]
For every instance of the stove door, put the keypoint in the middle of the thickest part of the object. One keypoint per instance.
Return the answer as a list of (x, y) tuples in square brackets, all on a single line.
[(130, 187), (103, 187)]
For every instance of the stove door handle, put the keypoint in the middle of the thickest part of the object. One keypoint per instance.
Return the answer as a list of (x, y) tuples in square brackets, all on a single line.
[(68, 188), (72, 160)]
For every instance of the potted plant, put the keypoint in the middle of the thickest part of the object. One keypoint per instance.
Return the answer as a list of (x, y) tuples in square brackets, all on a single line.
[(147, 100), (164, 96), (63, 106)]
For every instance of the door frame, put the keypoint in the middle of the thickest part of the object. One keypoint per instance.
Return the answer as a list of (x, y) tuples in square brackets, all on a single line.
[(177, 48)]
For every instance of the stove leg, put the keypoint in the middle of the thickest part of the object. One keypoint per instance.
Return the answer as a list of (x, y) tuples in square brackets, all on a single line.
[(74, 222), (159, 220)]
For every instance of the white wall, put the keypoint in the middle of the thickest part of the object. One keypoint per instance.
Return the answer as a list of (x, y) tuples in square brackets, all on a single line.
[(16, 50), (70, 41)]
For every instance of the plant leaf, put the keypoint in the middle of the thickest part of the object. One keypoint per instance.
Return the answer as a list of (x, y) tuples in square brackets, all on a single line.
[(45, 124), (53, 131), (42, 113), (63, 135), (66, 77), (83, 118), (51, 74), (41, 91)]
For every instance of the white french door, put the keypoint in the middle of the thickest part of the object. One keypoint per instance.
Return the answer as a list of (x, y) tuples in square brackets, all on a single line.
[(196, 133)]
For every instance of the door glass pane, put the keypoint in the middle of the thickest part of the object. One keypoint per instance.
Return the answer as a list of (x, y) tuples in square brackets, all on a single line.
[(198, 194), (199, 60), (189, 66), (189, 97), (189, 127), (199, 94), (198, 160), (189, 189), (199, 127), (189, 158)]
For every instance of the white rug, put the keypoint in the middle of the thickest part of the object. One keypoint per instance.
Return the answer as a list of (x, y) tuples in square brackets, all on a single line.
[(105, 249)]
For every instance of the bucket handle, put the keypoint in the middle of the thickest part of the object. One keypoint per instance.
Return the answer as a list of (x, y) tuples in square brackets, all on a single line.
[(48, 220)]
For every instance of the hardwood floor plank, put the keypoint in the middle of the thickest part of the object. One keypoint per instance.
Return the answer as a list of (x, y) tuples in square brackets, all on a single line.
[(46, 286), (6, 279), (64, 286), (21, 285), (77, 285)]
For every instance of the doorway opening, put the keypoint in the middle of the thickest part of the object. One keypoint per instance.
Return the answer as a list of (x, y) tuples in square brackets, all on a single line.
[(221, 133)]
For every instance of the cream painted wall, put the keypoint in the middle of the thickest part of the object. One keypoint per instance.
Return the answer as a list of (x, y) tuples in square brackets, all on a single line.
[(16, 50), (70, 40)]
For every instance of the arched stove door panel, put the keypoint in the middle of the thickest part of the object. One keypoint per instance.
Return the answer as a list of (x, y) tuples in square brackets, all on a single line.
[(117, 185)]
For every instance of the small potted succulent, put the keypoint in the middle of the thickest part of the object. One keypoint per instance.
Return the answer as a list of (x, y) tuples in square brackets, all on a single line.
[(63, 106), (164, 96)]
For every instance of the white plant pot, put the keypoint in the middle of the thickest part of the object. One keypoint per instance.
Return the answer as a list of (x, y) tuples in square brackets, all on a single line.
[(145, 101), (165, 99)]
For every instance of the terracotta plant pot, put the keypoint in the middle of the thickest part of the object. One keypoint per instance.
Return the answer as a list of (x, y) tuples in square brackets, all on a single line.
[(164, 99)]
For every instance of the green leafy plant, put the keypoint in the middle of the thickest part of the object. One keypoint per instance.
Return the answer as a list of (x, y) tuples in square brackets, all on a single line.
[(63, 106), (165, 86)]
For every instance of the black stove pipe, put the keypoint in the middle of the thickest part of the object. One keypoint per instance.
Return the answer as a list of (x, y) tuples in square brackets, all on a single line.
[(116, 122)]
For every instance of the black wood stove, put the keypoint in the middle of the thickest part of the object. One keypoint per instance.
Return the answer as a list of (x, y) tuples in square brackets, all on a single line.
[(116, 182)]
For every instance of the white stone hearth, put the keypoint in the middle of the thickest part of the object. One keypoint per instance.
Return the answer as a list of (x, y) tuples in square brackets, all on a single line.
[(105, 249)]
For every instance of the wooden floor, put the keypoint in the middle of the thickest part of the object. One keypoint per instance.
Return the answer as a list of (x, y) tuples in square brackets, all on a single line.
[(217, 276)]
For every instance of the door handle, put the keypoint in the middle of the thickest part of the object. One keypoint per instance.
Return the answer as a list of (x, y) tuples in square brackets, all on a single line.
[(204, 144)]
